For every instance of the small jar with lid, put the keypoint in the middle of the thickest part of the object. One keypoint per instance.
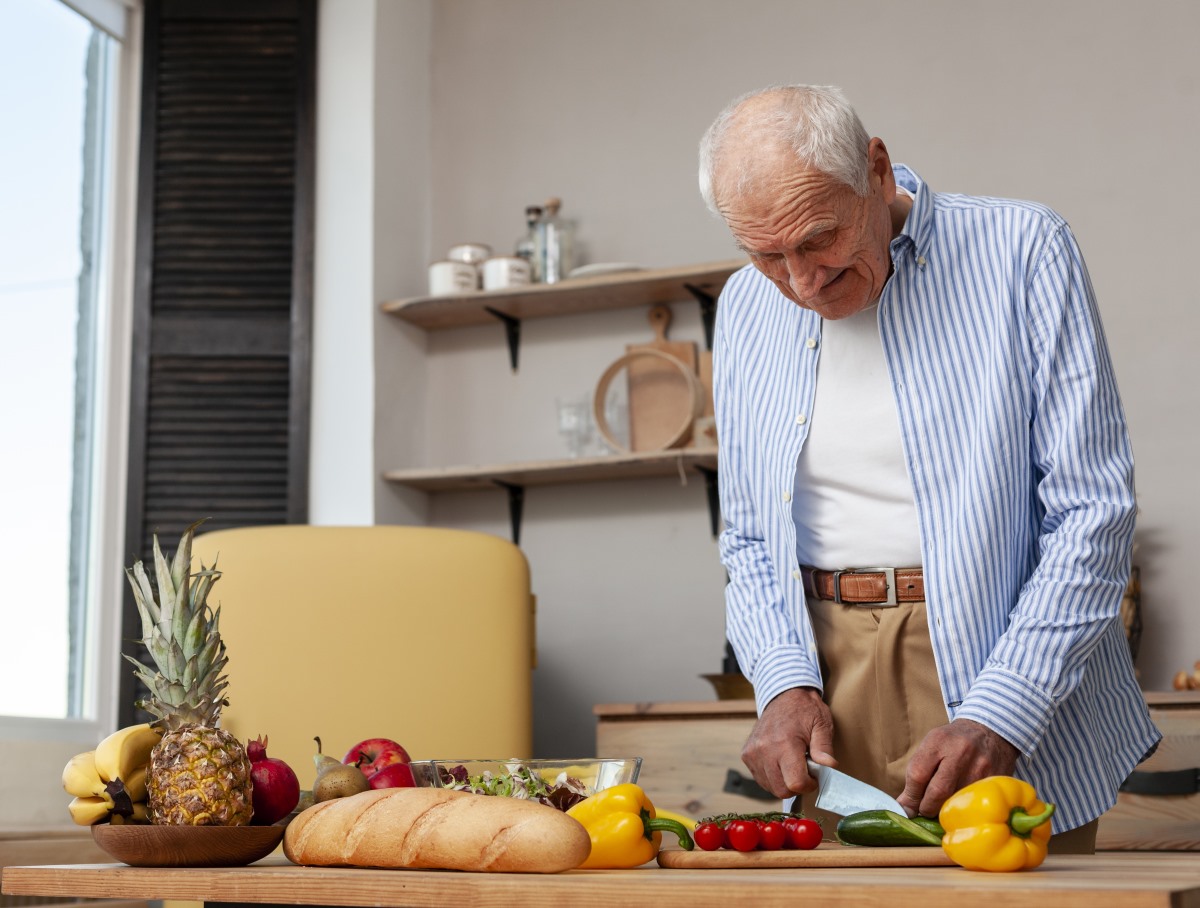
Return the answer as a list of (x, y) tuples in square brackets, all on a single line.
[(451, 277), (471, 253)]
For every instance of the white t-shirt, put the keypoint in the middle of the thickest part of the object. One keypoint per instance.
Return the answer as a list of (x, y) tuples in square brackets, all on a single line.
[(853, 502)]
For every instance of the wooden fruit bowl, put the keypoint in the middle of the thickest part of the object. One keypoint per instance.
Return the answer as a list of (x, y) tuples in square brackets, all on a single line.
[(187, 846)]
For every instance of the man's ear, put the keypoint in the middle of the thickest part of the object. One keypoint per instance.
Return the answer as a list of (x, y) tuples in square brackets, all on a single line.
[(879, 166)]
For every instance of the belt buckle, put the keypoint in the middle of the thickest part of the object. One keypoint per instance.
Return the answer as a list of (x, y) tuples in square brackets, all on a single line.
[(889, 579)]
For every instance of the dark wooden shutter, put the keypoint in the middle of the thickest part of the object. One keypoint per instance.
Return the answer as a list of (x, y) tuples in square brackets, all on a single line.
[(223, 292)]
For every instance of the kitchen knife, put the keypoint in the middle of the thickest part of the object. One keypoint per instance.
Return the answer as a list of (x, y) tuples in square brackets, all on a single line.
[(842, 794)]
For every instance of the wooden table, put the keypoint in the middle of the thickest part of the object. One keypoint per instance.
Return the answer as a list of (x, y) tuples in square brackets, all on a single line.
[(1137, 880)]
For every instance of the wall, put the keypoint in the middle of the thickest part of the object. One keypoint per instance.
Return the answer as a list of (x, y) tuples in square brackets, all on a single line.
[(1072, 103), (343, 387)]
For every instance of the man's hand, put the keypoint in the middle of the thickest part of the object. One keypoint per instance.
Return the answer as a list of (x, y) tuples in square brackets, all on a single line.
[(951, 757), (795, 724)]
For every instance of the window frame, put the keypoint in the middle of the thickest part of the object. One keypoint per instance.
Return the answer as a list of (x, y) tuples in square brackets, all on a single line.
[(105, 579)]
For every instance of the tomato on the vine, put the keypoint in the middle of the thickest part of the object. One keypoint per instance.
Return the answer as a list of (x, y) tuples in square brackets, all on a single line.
[(802, 832), (709, 836), (743, 835), (772, 836)]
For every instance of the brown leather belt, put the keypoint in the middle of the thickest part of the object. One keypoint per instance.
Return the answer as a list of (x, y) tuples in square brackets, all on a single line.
[(871, 586)]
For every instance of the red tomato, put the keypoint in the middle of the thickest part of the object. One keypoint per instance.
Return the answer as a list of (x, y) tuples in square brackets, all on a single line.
[(743, 834), (802, 833), (772, 836), (709, 836)]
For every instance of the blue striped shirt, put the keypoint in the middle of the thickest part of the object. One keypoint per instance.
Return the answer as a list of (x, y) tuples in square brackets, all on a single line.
[(1016, 444)]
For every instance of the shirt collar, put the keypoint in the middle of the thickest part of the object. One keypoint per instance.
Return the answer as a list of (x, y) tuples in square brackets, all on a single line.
[(918, 226)]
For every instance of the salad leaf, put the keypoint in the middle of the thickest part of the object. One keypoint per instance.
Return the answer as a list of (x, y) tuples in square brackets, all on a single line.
[(519, 781)]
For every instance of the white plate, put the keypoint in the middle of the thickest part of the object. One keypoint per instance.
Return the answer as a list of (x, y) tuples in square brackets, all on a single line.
[(603, 268)]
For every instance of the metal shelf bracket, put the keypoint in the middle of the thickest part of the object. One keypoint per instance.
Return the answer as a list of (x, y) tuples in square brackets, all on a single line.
[(708, 311), (512, 333), (516, 506), (714, 498)]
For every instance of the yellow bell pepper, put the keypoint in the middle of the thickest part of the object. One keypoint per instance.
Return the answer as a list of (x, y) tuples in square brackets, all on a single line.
[(997, 823), (624, 827)]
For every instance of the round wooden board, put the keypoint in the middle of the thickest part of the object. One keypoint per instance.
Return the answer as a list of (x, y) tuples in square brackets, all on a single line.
[(827, 854)]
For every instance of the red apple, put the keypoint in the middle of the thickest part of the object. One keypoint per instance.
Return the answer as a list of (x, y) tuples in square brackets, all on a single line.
[(373, 754), (394, 775)]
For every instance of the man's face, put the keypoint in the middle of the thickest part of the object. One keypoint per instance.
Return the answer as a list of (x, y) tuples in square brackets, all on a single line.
[(823, 246)]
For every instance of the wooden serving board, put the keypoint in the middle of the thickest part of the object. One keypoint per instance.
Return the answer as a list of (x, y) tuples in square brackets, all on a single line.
[(704, 369), (827, 854), (659, 396)]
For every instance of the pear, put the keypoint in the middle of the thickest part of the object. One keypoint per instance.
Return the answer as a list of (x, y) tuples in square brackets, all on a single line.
[(335, 779), (323, 761)]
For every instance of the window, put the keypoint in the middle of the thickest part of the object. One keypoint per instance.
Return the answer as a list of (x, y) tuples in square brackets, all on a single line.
[(58, 91)]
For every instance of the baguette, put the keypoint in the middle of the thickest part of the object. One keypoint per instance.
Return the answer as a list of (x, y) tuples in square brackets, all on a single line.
[(433, 828)]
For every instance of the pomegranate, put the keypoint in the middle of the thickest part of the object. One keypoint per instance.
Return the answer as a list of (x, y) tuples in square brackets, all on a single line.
[(276, 788)]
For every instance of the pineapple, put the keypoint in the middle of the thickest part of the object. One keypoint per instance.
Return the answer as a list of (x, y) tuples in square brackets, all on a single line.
[(199, 773)]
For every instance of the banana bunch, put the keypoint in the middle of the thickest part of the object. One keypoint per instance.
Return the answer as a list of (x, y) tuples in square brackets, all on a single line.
[(109, 783)]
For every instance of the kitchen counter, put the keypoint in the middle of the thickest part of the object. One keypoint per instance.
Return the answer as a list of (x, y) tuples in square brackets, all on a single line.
[(1137, 880)]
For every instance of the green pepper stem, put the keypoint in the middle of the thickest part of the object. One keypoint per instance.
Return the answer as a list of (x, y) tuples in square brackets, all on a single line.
[(1023, 823), (662, 824)]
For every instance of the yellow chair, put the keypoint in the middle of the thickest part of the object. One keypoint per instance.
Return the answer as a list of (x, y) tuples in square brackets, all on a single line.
[(418, 634)]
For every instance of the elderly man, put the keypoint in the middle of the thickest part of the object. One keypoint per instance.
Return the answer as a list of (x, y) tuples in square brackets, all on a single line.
[(926, 479)]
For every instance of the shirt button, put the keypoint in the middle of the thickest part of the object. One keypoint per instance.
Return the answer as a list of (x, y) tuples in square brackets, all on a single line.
[(787, 496), (801, 419), (811, 343), (796, 574), (921, 260)]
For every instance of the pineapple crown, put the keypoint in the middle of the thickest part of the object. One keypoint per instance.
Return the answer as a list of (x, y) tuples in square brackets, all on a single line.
[(181, 634)]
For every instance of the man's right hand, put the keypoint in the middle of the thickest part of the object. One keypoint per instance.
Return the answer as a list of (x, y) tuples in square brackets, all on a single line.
[(794, 726)]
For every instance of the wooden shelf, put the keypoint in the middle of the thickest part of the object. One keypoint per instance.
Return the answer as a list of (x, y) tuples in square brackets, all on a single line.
[(515, 477), (557, 472), (620, 290), (617, 290)]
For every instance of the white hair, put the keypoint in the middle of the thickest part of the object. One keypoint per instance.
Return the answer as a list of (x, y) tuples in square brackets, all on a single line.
[(815, 121)]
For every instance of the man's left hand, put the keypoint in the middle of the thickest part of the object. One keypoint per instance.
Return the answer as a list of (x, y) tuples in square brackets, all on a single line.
[(951, 757)]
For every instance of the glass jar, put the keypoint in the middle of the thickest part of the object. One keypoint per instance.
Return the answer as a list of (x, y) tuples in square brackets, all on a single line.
[(554, 238)]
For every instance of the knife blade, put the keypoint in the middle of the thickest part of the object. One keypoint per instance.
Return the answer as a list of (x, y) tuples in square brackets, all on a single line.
[(842, 794)]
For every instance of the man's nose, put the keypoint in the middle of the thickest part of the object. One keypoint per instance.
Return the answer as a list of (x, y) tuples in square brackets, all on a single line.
[(805, 277)]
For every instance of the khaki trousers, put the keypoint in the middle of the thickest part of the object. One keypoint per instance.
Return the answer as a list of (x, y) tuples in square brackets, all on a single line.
[(881, 684)]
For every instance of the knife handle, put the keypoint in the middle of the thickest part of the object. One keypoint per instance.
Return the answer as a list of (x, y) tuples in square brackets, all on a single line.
[(738, 784)]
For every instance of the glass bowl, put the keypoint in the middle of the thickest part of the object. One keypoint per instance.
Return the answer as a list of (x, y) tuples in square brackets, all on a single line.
[(560, 783)]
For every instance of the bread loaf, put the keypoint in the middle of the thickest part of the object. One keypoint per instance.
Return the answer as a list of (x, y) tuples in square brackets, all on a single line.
[(433, 828)]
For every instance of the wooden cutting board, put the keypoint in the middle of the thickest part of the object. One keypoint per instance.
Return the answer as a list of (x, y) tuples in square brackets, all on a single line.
[(827, 854), (704, 367), (659, 396)]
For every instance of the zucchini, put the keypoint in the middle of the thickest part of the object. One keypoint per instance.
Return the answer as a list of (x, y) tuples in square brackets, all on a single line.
[(886, 828)]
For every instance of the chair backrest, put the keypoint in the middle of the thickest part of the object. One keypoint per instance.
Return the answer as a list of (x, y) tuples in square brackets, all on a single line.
[(418, 634)]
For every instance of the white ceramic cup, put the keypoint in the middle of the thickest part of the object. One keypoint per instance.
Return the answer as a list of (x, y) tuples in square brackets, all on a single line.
[(471, 253), (506, 271), (448, 278)]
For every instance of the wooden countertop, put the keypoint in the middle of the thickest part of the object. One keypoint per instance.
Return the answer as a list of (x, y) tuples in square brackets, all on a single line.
[(684, 709), (1155, 699), (1137, 880)]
